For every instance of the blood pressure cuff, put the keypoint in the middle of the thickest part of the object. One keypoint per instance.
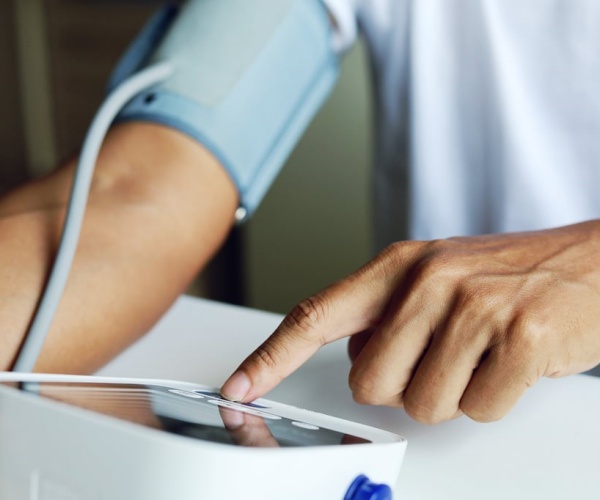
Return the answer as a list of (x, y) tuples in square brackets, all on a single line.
[(249, 75)]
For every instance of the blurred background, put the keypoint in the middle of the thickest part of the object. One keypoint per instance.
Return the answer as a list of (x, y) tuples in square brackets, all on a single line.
[(314, 225)]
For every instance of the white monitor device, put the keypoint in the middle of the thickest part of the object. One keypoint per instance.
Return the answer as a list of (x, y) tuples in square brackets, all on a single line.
[(91, 438), (86, 438)]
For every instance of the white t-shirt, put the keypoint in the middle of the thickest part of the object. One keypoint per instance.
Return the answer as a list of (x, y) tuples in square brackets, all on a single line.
[(488, 112)]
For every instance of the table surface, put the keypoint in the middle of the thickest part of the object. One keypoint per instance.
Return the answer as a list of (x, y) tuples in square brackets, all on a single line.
[(548, 447)]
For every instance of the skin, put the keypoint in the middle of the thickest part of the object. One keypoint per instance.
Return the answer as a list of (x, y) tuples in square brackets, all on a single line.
[(449, 327), (160, 206), (439, 328)]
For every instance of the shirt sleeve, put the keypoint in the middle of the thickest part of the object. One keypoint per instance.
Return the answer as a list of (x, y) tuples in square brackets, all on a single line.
[(344, 16)]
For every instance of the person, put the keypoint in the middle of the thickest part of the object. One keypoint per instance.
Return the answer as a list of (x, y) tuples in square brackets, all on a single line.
[(487, 111)]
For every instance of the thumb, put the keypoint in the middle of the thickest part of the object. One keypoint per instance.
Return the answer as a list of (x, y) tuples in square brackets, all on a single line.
[(345, 308)]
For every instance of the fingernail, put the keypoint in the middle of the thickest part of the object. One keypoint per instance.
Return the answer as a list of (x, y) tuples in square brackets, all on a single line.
[(236, 388)]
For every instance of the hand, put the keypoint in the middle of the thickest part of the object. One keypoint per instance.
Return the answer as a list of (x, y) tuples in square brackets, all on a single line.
[(446, 327)]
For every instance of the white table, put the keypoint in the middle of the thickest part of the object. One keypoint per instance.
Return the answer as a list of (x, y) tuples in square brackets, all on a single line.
[(547, 448)]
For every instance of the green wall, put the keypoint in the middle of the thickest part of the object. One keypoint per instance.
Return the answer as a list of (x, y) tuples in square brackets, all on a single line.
[(314, 225)]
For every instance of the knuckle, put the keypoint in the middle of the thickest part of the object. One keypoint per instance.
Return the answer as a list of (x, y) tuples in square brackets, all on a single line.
[(479, 412), (477, 302), (363, 397), (424, 412), (398, 250), (306, 315), (428, 260), (362, 392), (441, 249), (398, 254), (364, 389), (436, 265), (392, 257), (527, 334), (471, 293), (269, 355)]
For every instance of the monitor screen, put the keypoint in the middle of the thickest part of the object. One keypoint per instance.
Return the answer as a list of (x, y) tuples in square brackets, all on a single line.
[(196, 414)]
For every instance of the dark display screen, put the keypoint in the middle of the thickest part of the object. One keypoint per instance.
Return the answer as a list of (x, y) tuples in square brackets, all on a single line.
[(198, 414)]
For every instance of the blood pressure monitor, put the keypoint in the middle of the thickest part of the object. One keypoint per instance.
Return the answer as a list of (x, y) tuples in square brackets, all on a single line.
[(91, 438)]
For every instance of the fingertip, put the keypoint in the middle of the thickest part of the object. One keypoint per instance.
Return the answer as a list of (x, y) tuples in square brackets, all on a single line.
[(237, 387)]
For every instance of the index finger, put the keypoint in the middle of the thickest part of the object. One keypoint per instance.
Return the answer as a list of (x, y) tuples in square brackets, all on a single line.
[(341, 310)]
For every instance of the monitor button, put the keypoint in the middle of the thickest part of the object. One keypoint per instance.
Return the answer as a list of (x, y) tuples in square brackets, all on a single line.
[(243, 408), (304, 425), (187, 394)]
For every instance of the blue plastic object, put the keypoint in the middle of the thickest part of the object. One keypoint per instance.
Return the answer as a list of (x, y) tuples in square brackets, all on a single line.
[(364, 489), (248, 78)]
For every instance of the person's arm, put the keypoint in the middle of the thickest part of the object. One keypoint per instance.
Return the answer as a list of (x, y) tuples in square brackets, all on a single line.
[(160, 206), (446, 327)]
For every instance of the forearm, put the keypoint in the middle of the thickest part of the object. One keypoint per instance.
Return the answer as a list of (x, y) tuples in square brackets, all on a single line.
[(160, 206)]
